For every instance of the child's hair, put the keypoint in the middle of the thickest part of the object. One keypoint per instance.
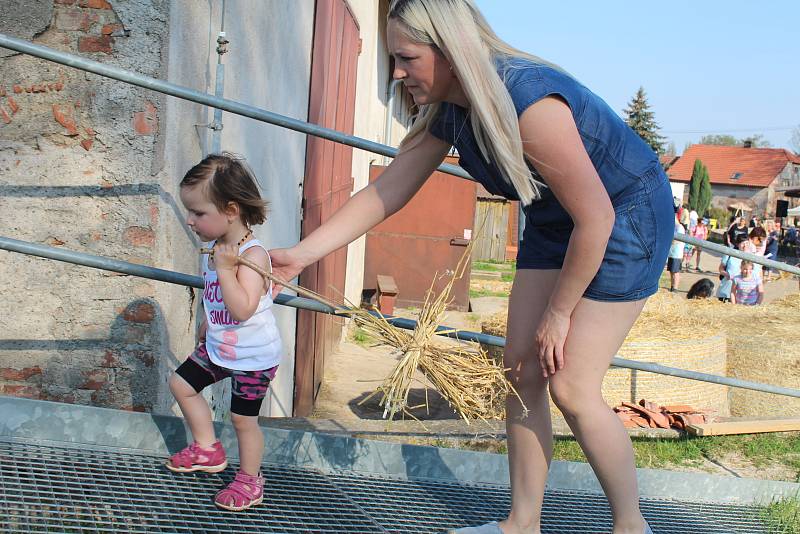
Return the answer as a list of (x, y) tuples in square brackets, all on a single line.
[(746, 263), (702, 289), (227, 178), (739, 239), (758, 232)]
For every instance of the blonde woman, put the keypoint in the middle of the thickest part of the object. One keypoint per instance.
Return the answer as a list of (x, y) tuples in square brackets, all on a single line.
[(599, 223)]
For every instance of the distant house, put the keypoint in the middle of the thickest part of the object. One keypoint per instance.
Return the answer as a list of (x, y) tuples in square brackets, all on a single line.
[(751, 179)]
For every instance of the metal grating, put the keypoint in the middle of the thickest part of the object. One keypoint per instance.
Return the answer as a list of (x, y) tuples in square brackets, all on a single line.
[(47, 488)]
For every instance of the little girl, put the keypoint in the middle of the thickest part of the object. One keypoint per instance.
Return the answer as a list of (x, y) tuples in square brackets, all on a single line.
[(238, 338), (747, 287)]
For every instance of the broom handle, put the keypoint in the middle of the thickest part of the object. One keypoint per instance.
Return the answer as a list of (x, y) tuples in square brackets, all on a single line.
[(299, 290)]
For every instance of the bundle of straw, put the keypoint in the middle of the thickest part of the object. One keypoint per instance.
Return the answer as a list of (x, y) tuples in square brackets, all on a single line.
[(472, 383)]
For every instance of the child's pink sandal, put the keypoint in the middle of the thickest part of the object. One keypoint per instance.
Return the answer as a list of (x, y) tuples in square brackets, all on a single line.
[(195, 458), (245, 491)]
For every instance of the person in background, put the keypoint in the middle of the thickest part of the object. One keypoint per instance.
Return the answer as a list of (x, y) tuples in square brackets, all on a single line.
[(675, 258), (702, 289), (729, 266), (736, 228), (700, 232), (757, 244), (693, 217), (683, 217), (771, 251), (748, 289)]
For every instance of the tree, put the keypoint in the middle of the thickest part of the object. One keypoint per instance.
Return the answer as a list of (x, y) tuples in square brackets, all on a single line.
[(756, 140), (796, 139), (640, 118), (695, 184), (705, 193), (723, 140), (699, 188)]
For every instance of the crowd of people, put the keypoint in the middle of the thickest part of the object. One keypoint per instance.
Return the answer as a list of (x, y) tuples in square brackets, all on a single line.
[(740, 281)]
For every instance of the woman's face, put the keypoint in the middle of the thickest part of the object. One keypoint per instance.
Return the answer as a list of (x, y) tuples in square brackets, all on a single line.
[(424, 70)]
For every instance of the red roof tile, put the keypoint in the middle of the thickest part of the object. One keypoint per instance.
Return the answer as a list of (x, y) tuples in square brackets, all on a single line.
[(732, 165)]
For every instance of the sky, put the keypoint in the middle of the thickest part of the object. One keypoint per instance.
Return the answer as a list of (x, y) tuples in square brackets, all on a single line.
[(707, 67)]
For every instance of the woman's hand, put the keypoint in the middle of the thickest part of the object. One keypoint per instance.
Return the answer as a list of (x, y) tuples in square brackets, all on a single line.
[(225, 257), (285, 265), (551, 337)]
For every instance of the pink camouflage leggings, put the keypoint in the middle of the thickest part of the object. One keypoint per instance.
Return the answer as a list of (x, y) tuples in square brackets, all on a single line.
[(248, 388)]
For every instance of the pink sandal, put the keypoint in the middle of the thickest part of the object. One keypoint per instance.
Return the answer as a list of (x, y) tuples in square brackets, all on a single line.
[(245, 491), (196, 458)]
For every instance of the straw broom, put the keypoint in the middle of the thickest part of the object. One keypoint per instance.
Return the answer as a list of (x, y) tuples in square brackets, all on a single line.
[(472, 383)]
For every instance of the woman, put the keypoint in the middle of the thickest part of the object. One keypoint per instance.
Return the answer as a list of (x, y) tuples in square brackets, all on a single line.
[(771, 251), (737, 227), (599, 222), (757, 244)]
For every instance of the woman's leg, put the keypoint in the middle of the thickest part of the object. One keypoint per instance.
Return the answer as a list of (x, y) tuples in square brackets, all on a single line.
[(195, 410), (251, 442), (530, 439), (597, 330)]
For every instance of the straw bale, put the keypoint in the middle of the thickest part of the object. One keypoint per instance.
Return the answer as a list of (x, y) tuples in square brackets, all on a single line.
[(756, 343)]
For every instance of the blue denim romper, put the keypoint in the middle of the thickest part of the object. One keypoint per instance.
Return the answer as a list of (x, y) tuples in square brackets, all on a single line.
[(629, 169)]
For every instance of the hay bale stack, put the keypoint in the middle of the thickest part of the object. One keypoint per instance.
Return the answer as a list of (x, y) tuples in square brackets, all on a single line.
[(668, 334), (763, 347), (494, 325)]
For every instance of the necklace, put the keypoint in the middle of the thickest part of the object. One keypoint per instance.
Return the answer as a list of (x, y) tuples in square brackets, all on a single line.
[(242, 241)]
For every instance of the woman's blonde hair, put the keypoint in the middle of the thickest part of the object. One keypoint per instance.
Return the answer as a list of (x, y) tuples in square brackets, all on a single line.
[(456, 29)]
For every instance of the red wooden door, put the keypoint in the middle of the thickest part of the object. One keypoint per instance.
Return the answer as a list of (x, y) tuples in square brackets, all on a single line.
[(328, 184)]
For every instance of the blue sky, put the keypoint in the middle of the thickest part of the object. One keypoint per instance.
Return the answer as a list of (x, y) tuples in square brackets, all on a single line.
[(708, 67)]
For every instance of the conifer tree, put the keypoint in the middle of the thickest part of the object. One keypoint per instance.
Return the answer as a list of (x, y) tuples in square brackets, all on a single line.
[(704, 201), (641, 119), (695, 184)]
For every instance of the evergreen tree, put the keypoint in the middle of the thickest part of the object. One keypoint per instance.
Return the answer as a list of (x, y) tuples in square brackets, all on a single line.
[(704, 201), (695, 184), (640, 118)]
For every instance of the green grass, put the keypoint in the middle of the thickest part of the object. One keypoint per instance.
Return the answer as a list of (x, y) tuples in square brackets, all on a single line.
[(486, 293), (758, 449), (783, 517), (360, 337), (488, 265)]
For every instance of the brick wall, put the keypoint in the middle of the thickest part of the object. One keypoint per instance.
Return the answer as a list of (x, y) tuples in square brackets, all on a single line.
[(79, 170)]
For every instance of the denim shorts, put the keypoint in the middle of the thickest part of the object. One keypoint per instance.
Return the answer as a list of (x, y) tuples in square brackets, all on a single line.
[(637, 247)]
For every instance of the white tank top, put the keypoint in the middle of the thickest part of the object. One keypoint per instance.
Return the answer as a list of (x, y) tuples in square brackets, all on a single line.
[(251, 345)]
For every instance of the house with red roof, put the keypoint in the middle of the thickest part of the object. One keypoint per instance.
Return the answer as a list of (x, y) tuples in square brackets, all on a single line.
[(751, 179)]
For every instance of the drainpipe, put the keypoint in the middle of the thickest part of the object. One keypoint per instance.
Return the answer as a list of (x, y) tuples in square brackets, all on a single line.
[(391, 92), (219, 88)]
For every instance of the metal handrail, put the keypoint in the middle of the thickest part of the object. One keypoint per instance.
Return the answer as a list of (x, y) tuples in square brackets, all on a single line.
[(232, 106), (152, 273), (245, 110)]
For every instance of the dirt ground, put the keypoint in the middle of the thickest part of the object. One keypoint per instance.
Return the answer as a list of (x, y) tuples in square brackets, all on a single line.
[(354, 371)]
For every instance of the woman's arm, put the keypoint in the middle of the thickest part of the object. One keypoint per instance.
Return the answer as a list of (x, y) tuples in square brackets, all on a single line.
[(551, 141), (404, 176), (723, 271)]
